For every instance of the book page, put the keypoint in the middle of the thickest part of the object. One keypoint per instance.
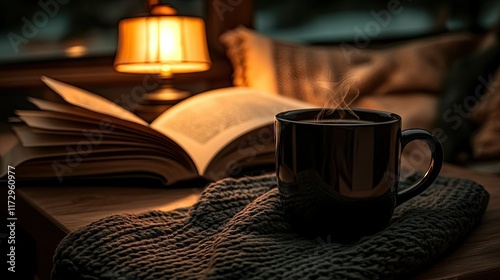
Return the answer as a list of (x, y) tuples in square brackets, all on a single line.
[(30, 138), (73, 113), (204, 124), (90, 101)]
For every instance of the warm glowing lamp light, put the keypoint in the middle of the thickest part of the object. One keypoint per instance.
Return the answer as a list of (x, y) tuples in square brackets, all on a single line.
[(162, 44)]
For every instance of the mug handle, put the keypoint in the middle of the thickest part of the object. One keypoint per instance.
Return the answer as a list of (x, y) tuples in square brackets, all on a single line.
[(434, 166)]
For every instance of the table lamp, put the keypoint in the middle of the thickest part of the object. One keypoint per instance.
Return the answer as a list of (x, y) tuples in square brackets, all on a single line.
[(162, 44)]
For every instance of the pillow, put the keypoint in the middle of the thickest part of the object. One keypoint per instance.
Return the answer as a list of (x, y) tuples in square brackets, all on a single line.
[(337, 75), (467, 108), (297, 70), (486, 141)]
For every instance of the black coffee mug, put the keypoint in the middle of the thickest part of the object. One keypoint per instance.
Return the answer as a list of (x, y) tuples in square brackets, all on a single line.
[(338, 170)]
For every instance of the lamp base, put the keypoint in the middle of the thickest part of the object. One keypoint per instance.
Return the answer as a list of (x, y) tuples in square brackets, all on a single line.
[(156, 102), (166, 96)]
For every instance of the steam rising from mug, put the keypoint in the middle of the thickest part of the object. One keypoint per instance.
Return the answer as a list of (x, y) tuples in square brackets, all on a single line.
[(339, 96)]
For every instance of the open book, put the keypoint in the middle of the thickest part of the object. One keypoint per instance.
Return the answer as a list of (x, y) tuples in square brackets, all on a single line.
[(211, 135)]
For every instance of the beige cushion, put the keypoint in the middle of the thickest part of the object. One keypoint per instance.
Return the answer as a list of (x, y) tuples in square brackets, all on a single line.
[(384, 79)]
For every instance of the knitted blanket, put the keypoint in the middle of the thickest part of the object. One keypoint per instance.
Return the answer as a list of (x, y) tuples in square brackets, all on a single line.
[(237, 230)]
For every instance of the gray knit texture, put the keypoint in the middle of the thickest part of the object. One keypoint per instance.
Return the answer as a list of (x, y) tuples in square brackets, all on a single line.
[(238, 230)]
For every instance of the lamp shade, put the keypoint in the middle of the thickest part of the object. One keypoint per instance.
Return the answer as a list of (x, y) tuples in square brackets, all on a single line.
[(162, 45)]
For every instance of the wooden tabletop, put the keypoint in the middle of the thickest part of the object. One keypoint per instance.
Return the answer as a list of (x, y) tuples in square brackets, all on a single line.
[(75, 207), (71, 208)]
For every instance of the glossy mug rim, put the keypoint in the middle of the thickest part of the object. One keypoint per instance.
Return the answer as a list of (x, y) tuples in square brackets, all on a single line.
[(390, 118)]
